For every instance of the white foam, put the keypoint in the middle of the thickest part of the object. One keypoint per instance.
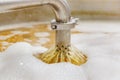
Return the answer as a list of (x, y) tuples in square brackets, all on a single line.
[(42, 34), (102, 68), (103, 51), (13, 33), (98, 26), (18, 63), (19, 32), (4, 43), (43, 40)]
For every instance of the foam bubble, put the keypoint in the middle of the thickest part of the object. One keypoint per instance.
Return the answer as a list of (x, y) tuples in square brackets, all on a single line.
[(103, 51), (18, 63), (42, 34), (102, 68)]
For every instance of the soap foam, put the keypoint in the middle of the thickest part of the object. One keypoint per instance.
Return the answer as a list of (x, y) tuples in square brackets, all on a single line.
[(102, 50), (18, 63), (102, 68)]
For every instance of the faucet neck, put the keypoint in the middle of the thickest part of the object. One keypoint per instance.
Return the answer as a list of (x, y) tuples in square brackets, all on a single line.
[(60, 7), (63, 38)]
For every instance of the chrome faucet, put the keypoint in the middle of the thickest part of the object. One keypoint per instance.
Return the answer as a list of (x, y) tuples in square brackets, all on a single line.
[(60, 7), (63, 51)]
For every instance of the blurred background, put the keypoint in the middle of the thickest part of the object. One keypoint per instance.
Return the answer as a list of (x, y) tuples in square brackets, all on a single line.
[(84, 9), (96, 9)]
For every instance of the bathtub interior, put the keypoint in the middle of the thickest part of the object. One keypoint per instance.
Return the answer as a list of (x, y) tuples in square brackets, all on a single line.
[(99, 40), (27, 32)]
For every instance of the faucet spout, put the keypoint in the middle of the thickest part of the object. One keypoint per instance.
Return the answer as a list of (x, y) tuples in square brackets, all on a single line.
[(60, 7), (63, 50)]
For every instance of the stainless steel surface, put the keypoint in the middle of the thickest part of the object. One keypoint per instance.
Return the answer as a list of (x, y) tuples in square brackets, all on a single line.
[(60, 7), (63, 37), (63, 31), (63, 51)]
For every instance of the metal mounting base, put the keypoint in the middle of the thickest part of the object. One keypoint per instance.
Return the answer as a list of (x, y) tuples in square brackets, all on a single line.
[(63, 54), (63, 51)]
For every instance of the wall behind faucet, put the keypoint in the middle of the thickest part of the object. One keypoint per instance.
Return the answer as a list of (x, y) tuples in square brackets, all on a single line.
[(84, 9), (96, 5), (96, 9)]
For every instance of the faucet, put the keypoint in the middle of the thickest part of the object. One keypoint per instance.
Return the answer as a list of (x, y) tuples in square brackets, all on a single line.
[(60, 7), (63, 51)]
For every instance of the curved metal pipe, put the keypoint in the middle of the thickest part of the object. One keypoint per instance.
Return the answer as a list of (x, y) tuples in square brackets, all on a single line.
[(60, 7), (63, 50)]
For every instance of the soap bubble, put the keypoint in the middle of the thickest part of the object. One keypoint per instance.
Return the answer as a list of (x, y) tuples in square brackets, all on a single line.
[(103, 52), (18, 63), (102, 68)]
